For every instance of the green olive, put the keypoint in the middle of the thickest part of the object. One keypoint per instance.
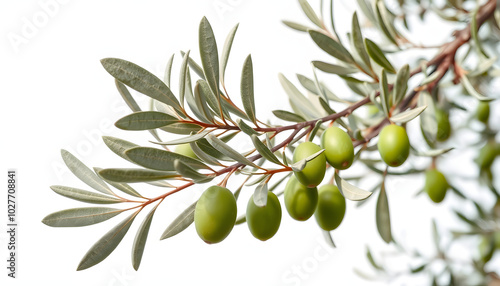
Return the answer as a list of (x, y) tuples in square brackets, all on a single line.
[(185, 149), (215, 214), (393, 145), (339, 150), (264, 222), (483, 112), (487, 155), (436, 185), (314, 172), (300, 201), (331, 207), (443, 125)]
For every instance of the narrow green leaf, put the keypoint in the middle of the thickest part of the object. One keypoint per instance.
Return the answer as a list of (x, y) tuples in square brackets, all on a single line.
[(408, 115), (118, 146), (181, 128), (382, 216), (328, 238), (367, 10), (334, 69), (185, 219), (127, 189), (317, 126), (201, 104), (470, 89), (247, 96), (205, 146), (378, 56), (246, 128), (145, 120), (141, 80), (168, 70), (474, 34), (204, 156), (195, 66), (297, 97), (300, 165), (212, 100), (260, 194), (296, 26), (161, 160), (140, 239), (187, 172), (310, 13), (483, 66), (133, 175), (264, 150), (432, 152), (80, 216), (384, 93), (84, 196), (104, 246), (359, 44), (84, 173), (332, 47), (349, 191), (372, 260), (401, 84), (384, 23), (435, 236), (127, 97), (182, 78), (226, 50), (209, 55), (288, 116), (191, 138), (428, 122), (228, 151)]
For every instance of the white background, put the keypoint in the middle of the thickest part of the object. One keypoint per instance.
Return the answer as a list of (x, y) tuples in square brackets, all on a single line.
[(55, 94)]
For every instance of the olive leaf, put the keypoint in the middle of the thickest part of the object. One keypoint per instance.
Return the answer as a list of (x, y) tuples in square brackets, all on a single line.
[(378, 56), (118, 146), (84, 196), (141, 80), (296, 26), (182, 78), (133, 175), (260, 194), (145, 120), (127, 189), (330, 46), (80, 216), (185, 219), (382, 216), (401, 84), (472, 91), (300, 165), (228, 151), (384, 93), (126, 96), (191, 138), (408, 115), (428, 121), (226, 50), (140, 239), (349, 191), (168, 70), (358, 42), (105, 246), (188, 172), (310, 13), (264, 150), (161, 160), (247, 96), (209, 56), (84, 173)]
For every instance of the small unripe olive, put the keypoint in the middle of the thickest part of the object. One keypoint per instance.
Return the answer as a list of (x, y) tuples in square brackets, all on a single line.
[(436, 185), (215, 214), (300, 201), (483, 112), (393, 145), (314, 172), (264, 222), (443, 125), (185, 149), (487, 155), (339, 150), (331, 207)]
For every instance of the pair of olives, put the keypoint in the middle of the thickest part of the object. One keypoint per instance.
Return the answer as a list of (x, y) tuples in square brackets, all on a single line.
[(215, 215), (327, 204), (339, 153)]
